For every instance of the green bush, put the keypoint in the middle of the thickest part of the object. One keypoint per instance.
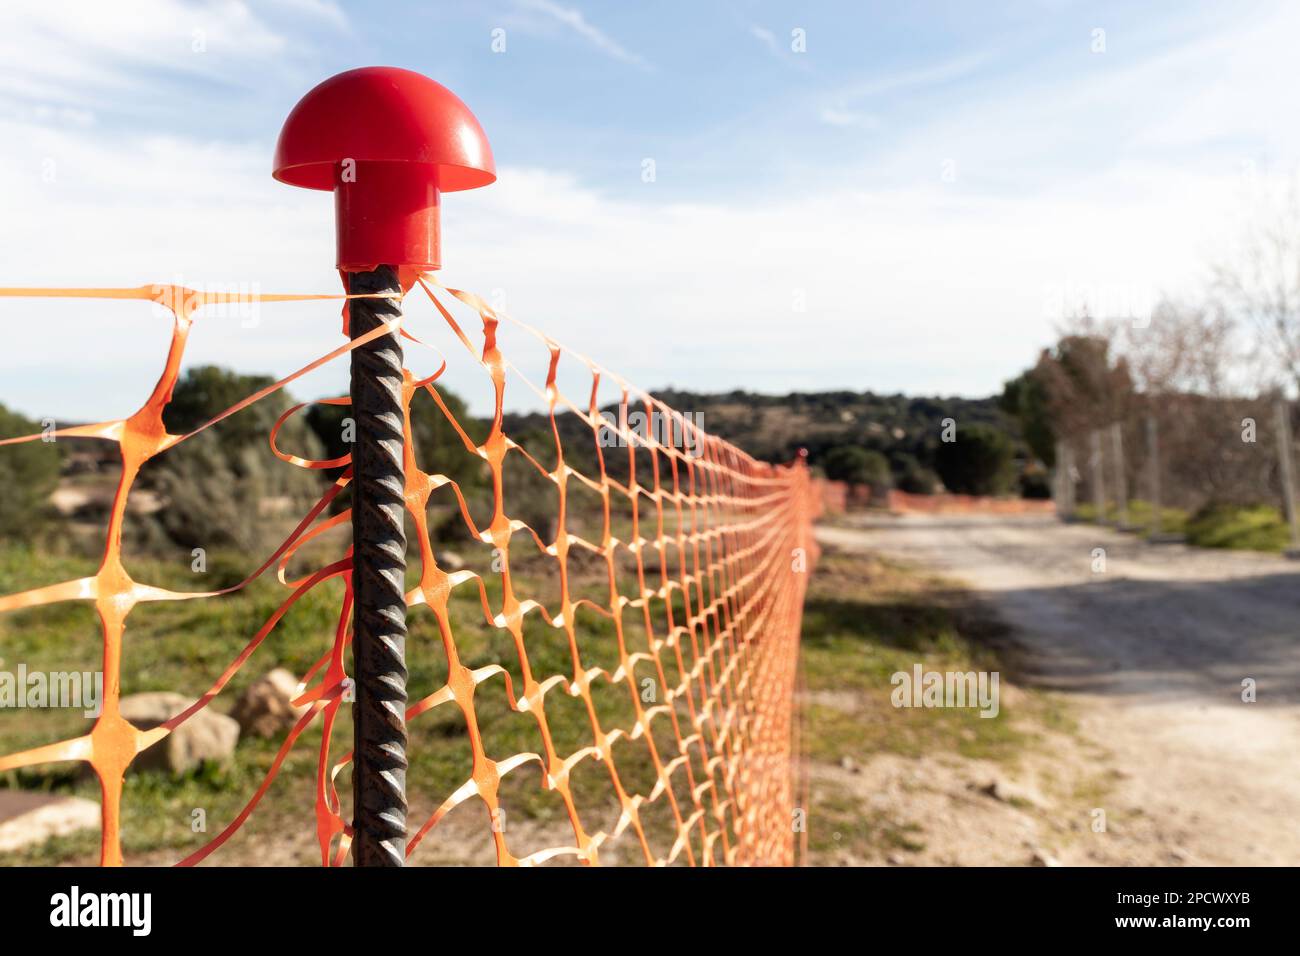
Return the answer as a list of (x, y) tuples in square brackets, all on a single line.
[(978, 462), (29, 473), (439, 450), (856, 465), (1035, 484), (1172, 520), (224, 487), (1256, 528), (911, 476)]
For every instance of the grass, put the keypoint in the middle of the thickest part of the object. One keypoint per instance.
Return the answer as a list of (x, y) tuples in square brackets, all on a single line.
[(1234, 527), (843, 823), (1172, 520), (1260, 528), (183, 646), (168, 646), (865, 620)]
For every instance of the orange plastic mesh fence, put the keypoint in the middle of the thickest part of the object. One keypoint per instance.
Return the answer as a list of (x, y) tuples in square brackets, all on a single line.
[(719, 544)]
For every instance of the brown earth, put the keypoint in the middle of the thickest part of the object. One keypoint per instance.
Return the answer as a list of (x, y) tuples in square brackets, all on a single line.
[(1151, 653)]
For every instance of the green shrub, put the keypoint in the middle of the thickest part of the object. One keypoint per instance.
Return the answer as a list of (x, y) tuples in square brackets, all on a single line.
[(977, 463), (29, 473), (856, 465), (224, 487), (1256, 528)]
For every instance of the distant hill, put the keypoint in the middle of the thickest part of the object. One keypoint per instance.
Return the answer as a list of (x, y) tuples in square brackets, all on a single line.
[(774, 427)]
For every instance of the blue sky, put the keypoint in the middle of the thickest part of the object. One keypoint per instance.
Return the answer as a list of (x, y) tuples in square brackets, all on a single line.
[(907, 204)]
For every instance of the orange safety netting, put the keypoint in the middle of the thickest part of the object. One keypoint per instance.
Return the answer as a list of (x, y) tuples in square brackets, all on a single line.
[(726, 622)]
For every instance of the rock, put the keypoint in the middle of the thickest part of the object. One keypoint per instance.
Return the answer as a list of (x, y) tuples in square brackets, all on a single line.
[(849, 764), (1005, 792), (206, 735), (27, 819), (1043, 858), (896, 859), (266, 708), (449, 561)]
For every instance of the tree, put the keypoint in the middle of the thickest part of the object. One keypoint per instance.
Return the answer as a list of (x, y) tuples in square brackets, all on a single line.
[(224, 487), (1025, 399), (28, 474), (207, 390), (1261, 286), (1185, 348), (1085, 386), (439, 449), (978, 462), (856, 465), (911, 476)]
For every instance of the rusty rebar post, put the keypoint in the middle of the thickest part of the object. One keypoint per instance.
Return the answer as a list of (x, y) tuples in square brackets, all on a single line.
[(388, 143), (378, 577)]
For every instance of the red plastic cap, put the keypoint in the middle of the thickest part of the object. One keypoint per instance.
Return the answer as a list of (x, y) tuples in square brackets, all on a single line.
[(388, 142)]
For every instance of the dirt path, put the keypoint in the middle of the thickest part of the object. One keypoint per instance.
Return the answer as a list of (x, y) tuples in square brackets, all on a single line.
[(1152, 651)]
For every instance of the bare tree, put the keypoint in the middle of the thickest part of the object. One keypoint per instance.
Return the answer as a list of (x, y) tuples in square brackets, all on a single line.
[(1184, 348), (1261, 286), (1187, 365)]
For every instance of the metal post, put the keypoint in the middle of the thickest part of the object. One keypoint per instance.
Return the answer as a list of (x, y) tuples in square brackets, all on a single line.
[(1071, 479), (1285, 455), (1121, 478), (388, 142), (378, 577), (1153, 476), (1058, 485), (1098, 482), (1064, 485)]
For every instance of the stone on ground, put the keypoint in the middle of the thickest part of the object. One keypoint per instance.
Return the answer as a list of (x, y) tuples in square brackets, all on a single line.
[(28, 819), (266, 707), (206, 735)]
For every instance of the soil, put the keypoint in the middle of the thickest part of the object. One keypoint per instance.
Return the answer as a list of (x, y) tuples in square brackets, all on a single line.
[(1151, 647)]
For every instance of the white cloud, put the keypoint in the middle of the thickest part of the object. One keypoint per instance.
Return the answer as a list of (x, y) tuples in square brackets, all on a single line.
[(930, 75), (325, 11), (766, 37), (910, 284), (846, 118), (83, 52), (920, 290), (98, 56), (923, 290), (573, 18), (88, 202)]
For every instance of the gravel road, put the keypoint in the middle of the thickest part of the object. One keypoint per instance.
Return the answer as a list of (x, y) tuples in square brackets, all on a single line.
[(1153, 649)]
